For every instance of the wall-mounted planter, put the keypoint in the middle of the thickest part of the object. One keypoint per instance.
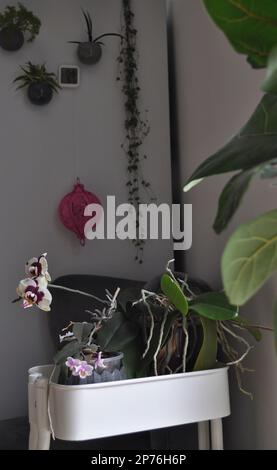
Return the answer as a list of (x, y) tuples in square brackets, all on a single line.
[(89, 53), (40, 93), (11, 39), (17, 24)]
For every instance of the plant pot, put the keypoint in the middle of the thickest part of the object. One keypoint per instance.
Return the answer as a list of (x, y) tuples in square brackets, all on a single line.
[(11, 39), (89, 53), (112, 372), (40, 93)]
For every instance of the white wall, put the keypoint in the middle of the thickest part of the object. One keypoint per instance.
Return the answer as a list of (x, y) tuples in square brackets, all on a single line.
[(216, 93), (38, 166)]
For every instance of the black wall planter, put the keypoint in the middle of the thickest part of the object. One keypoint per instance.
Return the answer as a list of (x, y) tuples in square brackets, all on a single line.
[(40, 93), (89, 53), (11, 39)]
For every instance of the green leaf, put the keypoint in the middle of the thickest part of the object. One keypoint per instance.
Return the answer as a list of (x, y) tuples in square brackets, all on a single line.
[(116, 333), (243, 322), (270, 83), (254, 146), (70, 349), (214, 305), (82, 331), (174, 293), (207, 356), (250, 26), (231, 198), (250, 257)]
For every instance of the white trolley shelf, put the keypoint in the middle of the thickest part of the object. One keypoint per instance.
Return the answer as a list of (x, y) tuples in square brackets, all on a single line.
[(84, 412)]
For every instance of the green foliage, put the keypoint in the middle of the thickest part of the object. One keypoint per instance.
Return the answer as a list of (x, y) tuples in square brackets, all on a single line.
[(208, 353), (231, 198), (174, 293), (275, 327), (250, 26), (36, 74), (20, 18), (214, 305), (250, 257), (252, 151)]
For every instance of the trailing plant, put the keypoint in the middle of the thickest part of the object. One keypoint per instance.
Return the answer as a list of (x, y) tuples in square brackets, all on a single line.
[(136, 125), (19, 18), (36, 73), (250, 256)]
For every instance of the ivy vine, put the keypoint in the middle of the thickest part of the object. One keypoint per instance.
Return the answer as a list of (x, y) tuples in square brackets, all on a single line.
[(136, 125)]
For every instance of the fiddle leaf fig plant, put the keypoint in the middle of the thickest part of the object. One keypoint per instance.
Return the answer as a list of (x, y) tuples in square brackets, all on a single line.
[(250, 26), (250, 256)]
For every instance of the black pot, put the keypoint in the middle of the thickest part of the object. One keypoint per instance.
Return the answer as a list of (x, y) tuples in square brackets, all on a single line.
[(11, 39), (89, 53), (40, 93)]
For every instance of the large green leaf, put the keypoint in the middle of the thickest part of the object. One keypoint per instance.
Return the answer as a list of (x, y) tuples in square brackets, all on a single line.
[(70, 349), (214, 305), (231, 198), (82, 331), (116, 333), (250, 258), (250, 26), (207, 356), (174, 293), (254, 146)]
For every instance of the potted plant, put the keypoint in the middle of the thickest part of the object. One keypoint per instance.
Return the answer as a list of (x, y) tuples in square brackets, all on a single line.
[(40, 83), (170, 329), (90, 51), (15, 21)]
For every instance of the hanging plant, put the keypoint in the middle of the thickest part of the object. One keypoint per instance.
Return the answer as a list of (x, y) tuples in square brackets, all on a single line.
[(40, 83), (136, 125), (90, 52), (14, 22)]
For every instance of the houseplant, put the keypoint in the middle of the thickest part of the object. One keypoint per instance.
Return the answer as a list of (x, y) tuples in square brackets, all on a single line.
[(165, 331), (40, 83), (90, 51), (250, 256), (15, 21)]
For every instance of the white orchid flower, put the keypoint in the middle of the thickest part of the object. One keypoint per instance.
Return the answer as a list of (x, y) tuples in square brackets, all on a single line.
[(38, 267), (33, 293)]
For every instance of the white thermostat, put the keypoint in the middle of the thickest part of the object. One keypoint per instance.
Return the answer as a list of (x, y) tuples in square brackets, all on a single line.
[(69, 76)]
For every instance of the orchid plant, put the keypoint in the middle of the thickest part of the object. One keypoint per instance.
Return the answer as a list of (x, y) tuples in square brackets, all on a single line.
[(77, 339), (172, 328)]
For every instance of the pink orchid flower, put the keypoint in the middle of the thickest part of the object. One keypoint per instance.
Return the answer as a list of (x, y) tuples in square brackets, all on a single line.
[(99, 363), (34, 293), (79, 368)]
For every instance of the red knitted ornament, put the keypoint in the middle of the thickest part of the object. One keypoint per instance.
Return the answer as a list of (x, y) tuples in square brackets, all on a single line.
[(72, 207)]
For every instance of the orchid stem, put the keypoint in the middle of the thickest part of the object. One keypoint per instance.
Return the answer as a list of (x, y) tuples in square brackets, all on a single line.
[(74, 291)]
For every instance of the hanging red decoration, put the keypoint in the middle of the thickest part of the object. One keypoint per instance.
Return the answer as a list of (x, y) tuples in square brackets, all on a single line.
[(72, 207)]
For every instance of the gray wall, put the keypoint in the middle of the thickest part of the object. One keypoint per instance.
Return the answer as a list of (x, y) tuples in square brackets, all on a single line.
[(216, 93), (43, 150)]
